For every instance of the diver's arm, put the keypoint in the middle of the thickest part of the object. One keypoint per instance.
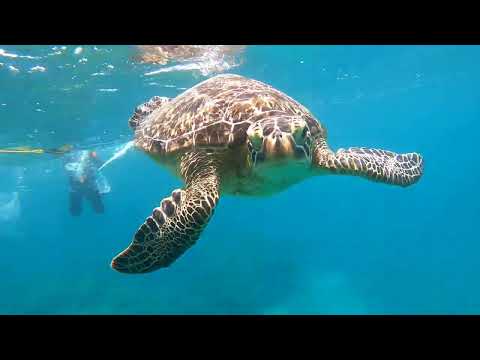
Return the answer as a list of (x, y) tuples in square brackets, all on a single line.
[(59, 151)]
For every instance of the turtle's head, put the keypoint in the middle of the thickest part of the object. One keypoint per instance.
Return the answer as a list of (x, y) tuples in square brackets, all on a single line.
[(279, 139)]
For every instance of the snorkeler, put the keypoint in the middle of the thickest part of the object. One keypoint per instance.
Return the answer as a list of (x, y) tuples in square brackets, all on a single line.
[(84, 182)]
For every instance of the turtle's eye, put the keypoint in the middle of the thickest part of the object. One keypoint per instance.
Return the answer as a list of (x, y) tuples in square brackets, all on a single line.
[(304, 132), (307, 144), (255, 137), (299, 133), (250, 146), (252, 153)]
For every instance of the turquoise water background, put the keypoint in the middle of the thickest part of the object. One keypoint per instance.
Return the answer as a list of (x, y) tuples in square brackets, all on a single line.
[(330, 245)]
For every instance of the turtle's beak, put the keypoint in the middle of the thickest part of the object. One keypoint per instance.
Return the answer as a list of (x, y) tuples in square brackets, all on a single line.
[(279, 145)]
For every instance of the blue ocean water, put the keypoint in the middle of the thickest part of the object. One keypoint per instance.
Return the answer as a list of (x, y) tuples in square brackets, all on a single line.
[(330, 245)]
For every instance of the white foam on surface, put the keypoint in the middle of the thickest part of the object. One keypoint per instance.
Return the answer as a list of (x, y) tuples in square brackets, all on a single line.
[(38, 69), (14, 56)]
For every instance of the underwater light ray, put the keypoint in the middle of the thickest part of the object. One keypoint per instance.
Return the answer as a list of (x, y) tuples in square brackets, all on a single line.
[(119, 153)]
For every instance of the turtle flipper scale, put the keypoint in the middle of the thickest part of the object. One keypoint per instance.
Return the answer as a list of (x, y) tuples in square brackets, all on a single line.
[(173, 227), (373, 164)]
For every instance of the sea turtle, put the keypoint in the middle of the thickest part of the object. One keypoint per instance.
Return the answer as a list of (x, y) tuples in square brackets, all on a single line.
[(234, 135)]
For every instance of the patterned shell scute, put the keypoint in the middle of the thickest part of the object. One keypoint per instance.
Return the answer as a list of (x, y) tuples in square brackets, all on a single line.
[(216, 113)]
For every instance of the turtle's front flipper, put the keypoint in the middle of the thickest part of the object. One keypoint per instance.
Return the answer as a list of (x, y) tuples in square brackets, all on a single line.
[(174, 226), (373, 164)]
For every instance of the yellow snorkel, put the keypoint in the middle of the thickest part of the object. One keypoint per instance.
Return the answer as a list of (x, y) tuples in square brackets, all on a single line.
[(29, 150)]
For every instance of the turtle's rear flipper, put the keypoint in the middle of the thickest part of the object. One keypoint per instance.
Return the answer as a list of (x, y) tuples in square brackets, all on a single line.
[(142, 111), (172, 228), (373, 164)]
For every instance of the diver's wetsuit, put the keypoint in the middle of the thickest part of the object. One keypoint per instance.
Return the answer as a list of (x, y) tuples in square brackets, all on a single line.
[(86, 186)]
